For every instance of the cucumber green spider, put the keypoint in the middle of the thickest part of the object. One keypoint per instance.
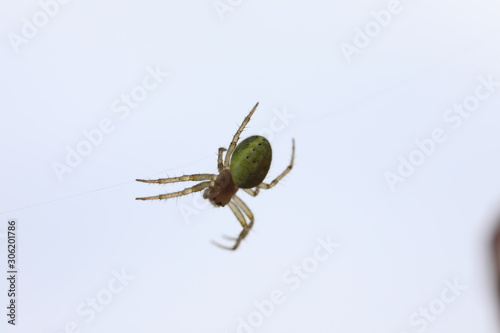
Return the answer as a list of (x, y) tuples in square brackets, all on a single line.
[(244, 166)]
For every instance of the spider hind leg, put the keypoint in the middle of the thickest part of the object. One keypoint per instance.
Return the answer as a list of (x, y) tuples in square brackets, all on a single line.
[(237, 206)]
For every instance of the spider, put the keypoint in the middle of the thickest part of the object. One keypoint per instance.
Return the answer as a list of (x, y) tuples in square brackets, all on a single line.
[(245, 166)]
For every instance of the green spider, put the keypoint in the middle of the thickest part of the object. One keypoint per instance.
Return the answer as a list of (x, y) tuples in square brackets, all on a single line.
[(245, 166)]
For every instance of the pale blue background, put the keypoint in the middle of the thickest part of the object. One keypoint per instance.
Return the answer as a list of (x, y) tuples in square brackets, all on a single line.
[(351, 122)]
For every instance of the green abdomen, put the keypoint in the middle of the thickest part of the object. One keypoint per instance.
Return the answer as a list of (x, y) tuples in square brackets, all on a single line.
[(250, 161)]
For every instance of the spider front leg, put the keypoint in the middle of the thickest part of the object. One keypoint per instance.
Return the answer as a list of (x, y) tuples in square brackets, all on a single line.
[(189, 190), (220, 166), (196, 188), (236, 136), (185, 178), (236, 207)]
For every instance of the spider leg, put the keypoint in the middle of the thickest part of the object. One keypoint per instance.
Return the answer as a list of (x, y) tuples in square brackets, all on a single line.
[(195, 188), (237, 212), (242, 206), (228, 238), (251, 191), (237, 206), (237, 136), (245, 209), (283, 174), (220, 166), (200, 176)]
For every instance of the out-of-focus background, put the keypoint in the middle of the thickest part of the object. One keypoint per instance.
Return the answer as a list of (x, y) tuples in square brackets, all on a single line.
[(384, 224)]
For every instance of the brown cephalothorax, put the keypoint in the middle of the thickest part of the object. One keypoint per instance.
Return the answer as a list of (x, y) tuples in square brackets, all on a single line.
[(223, 190)]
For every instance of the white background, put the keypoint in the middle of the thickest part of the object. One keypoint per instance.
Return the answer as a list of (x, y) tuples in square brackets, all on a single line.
[(352, 116)]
